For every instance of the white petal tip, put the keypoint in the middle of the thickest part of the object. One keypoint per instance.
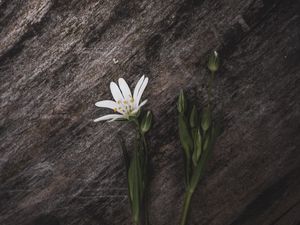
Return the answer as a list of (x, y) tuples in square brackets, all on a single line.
[(143, 103)]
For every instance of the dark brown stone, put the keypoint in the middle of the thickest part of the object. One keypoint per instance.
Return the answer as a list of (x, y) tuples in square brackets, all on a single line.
[(57, 167)]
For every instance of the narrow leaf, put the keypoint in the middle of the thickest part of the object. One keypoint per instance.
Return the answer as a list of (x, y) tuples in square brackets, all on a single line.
[(197, 146), (135, 189), (181, 105), (187, 144), (125, 153), (185, 137), (194, 117), (206, 119), (131, 180)]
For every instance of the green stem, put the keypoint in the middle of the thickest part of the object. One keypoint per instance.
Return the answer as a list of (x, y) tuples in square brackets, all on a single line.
[(186, 205), (210, 86), (146, 180), (141, 136), (136, 221)]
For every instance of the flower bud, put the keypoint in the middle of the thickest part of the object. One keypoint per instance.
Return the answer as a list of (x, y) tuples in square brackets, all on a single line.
[(146, 122), (213, 62), (181, 102)]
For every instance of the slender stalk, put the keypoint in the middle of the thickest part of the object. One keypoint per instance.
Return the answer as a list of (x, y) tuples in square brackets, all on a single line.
[(136, 221), (141, 136), (186, 205), (210, 87), (146, 181)]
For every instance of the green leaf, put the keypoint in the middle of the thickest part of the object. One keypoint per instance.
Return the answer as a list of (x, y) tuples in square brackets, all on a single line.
[(198, 172), (187, 144), (140, 178), (199, 169), (194, 117), (135, 188), (131, 180), (206, 119), (197, 146), (181, 106), (184, 134), (206, 142), (125, 153)]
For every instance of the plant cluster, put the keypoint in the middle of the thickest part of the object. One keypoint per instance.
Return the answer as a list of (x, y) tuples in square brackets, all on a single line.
[(197, 131)]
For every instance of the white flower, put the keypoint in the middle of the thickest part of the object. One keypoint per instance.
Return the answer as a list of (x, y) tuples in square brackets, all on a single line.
[(125, 104)]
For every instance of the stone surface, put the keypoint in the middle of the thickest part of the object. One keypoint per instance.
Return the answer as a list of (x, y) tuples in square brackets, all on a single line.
[(57, 167)]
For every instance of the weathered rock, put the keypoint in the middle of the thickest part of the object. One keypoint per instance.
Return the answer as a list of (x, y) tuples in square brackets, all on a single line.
[(56, 61)]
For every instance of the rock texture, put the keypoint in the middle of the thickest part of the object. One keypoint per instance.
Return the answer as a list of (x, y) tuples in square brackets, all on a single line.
[(57, 167)]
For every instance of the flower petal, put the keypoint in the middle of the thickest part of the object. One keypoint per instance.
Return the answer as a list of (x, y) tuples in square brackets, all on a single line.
[(138, 86), (109, 117), (107, 104), (143, 103), (125, 89), (118, 119), (138, 108), (141, 91), (115, 91)]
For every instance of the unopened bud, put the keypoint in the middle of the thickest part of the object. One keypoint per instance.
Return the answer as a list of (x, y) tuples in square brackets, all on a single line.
[(146, 122), (213, 62), (181, 102)]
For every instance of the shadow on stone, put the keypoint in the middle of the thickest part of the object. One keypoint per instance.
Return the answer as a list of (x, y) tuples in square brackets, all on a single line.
[(45, 220)]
